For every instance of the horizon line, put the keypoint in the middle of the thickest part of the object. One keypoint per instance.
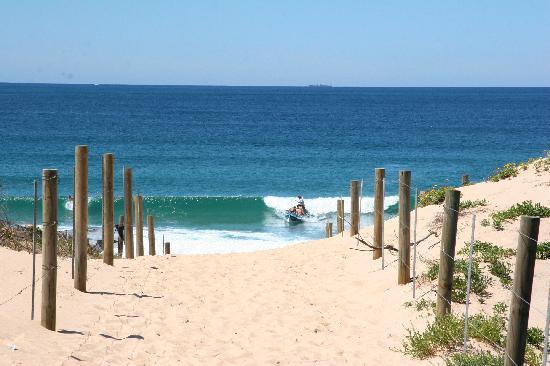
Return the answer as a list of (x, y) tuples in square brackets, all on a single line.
[(311, 86)]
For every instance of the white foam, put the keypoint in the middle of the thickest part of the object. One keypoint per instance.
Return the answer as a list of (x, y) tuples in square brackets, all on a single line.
[(325, 205), (187, 241), (193, 241)]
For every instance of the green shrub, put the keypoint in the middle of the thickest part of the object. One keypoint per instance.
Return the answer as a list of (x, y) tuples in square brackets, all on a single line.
[(479, 285), (487, 252), (433, 196), (495, 256), (533, 357), (543, 250), (502, 271), (444, 333), (485, 222), (424, 304), (471, 204), (487, 329), (506, 171), (535, 337), (476, 358), (543, 164), (523, 208)]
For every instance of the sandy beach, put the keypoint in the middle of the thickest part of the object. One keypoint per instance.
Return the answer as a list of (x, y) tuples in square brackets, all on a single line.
[(323, 302)]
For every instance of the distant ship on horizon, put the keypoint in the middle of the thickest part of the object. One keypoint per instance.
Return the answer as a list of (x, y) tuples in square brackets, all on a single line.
[(319, 86)]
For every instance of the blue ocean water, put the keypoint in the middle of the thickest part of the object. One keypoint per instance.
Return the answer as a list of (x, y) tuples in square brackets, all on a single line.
[(219, 164)]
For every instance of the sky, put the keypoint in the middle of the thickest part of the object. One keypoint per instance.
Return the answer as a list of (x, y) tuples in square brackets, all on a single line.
[(282, 42)]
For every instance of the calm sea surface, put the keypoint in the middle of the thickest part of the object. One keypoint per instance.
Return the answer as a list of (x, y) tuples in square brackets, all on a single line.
[(217, 165)]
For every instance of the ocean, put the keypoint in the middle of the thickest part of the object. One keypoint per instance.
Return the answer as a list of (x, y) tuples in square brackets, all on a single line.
[(217, 166)]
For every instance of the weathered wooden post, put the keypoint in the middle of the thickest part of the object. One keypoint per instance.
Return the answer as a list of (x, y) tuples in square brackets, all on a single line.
[(138, 203), (128, 229), (379, 175), (80, 208), (340, 216), (521, 291), (354, 219), (35, 184), (328, 229), (151, 234), (49, 248), (166, 247), (120, 237), (404, 267), (447, 252), (465, 180), (108, 208)]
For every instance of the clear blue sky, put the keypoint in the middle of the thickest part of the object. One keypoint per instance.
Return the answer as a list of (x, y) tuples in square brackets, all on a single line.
[(282, 42)]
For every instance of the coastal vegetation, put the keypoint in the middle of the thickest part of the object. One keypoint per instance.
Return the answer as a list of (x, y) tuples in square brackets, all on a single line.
[(523, 208), (19, 238), (465, 205), (510, 170), (432, 196), (445, 335)]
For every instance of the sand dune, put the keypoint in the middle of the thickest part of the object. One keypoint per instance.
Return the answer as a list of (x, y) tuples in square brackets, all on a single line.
[(320, 302)]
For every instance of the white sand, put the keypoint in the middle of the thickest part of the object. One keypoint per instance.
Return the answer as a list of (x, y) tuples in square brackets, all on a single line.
[(313, 303)]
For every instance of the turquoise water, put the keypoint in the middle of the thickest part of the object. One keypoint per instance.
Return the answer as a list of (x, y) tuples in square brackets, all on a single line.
[(220, 164)]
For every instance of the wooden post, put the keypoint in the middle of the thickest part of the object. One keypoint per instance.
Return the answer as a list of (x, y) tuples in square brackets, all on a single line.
[(74, 231), (108, 208), (120, 238), (354, 194), (521, 291), (465, 180), (80, 208), (167, 247), (379, 175), (151, 234), (138, 203), (340, 218), (404, 266), (447, 252), (49, 248), (328, 229), (128, 229), (34, 247)]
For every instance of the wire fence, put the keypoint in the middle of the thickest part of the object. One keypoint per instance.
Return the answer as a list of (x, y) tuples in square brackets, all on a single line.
[(423, 255)]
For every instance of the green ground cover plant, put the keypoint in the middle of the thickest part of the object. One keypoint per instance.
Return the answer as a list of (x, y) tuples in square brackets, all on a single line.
[(471, 204), (524, 208), (433, 196), (506, 171), (543, 250), (445, 335), (495, 257), (479, 285)]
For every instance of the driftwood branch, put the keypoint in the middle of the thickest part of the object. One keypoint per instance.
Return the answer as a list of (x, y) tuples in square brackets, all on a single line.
[(391, 248)]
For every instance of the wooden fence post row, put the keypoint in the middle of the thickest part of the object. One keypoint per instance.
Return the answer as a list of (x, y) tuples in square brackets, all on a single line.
[(128, 228), (379, 175), (354, 220), (521, 291), (447, 252), (80, 208), (108, 219), (151, 234), (138, 203), (404, 263), (49, 248), (328, 229), (340, 216)]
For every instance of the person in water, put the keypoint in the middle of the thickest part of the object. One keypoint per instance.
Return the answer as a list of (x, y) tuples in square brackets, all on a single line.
[(300, 208)]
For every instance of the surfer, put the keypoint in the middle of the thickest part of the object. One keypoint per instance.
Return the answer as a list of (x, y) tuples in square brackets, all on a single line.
[(300, 208)]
